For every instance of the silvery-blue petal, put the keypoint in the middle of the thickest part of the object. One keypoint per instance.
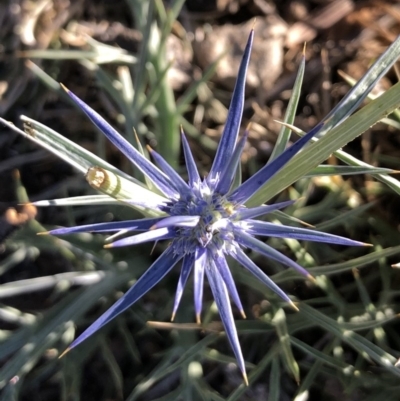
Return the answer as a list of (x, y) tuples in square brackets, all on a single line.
[(247, 263), (232, 126), (177, 221), (255, 182), (245, 213), (229, 171), (137, 225), (160, 180), (193, 173), (200, 262), (249, 241), (156, 272), (226, 274), (221, 297), (153, 235), (187, 266), (181, 186), (275, 230)]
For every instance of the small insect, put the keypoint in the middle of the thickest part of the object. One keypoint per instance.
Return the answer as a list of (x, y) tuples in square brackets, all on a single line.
[(29, 130)]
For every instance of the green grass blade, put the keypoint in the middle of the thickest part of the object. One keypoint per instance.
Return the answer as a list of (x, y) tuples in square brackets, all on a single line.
[(279, 320), (356, 263), (321, 356), (62, 147), (184, 102), (274, 381), (43, 335), (358, 342), (319, 151), (88, 200), (284, 133), (326, 169), (361, 89)]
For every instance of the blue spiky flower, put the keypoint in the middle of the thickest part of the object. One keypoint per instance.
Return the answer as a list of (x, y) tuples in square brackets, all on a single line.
[(203, 220)]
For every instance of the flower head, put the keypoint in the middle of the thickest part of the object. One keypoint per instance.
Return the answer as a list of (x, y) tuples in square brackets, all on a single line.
[(204, 220)]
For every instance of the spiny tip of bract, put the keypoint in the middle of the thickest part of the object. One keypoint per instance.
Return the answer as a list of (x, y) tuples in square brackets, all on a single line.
[(304, 223), (245, 379), (64, 88), (198, 318), (293, 306), (64, 353), (136, 136)]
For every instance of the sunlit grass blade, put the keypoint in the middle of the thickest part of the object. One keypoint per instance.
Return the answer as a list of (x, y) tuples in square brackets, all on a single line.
[(99, 54), (391, 182), (86, 200), (145, 166), (371, 96), (62, 147), (339, 136), (125, 191), (284, 133), (363, 87), (326, 170), (83, 161)]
